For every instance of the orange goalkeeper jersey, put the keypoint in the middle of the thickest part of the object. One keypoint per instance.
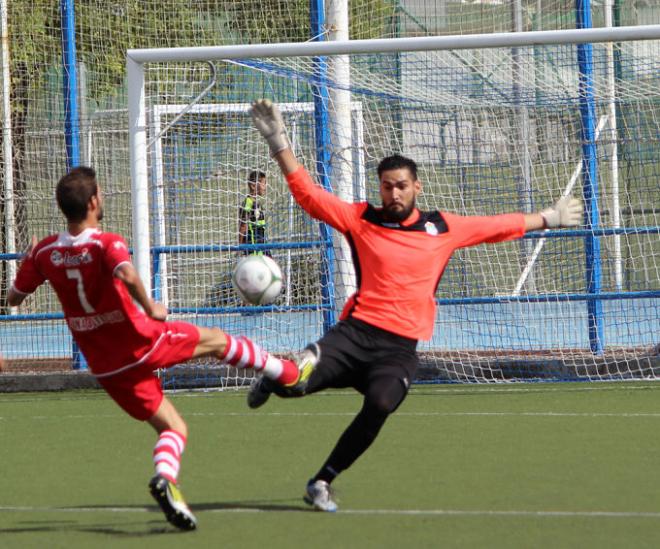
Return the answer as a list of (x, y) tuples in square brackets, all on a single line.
[(399, 265)]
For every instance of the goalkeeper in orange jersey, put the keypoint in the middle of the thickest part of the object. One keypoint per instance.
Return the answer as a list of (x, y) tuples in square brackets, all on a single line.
[(400, 254)]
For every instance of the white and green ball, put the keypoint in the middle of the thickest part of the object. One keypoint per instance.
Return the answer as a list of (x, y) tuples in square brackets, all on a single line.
[(257, 279)]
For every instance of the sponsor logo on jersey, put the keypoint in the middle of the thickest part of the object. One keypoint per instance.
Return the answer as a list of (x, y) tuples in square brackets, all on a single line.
[(67, 259)]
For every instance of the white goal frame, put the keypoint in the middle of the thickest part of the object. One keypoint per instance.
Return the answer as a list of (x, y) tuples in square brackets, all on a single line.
[(158, 176), (136, 58)]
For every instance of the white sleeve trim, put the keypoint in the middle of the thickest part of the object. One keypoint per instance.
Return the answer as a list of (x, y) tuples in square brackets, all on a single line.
[(119, 265)]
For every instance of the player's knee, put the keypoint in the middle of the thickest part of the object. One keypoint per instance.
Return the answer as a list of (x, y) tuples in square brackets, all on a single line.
[(181, 428), (383, 399), (212, 341), (381, 405)]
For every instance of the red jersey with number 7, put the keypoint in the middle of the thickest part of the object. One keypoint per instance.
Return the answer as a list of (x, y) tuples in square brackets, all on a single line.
[(111, 331), (399, 265)]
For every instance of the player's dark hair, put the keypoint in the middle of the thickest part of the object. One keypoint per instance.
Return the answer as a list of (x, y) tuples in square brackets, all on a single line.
[(74, 191), (255, 175), (396, 162)]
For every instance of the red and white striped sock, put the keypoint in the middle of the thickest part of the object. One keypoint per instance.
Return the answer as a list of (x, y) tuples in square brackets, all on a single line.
[(167, 454), (242, 352)]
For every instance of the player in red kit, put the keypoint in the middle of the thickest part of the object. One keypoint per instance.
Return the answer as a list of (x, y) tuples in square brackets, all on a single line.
[(399, 254), (98, 287)]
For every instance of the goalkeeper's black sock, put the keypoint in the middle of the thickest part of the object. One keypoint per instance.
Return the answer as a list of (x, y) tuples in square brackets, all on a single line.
[(326, 473)]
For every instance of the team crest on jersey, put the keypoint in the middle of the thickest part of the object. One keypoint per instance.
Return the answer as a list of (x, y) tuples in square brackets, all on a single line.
[(56, 258), (430, 228)]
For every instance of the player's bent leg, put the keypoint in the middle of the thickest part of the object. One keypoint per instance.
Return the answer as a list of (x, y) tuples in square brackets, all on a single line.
[(382, 397), (212, 341), (262, 387), (241, 352)]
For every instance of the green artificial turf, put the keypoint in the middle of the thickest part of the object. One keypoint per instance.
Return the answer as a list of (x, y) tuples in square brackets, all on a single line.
[(530, 465)]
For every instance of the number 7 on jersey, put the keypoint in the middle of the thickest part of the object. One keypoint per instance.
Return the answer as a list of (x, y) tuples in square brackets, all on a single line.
[(75, 274)]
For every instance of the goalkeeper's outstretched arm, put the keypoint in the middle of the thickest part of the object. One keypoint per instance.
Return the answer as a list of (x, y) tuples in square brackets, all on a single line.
[(566, 212), (316, 201)]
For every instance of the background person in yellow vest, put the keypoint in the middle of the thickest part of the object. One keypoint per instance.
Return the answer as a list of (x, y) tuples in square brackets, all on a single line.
[(252, 219)]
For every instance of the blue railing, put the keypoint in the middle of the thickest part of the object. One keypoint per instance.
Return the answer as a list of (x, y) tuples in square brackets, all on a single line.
[(324, 306)]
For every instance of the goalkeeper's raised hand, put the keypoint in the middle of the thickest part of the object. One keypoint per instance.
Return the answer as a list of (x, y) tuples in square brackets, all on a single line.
[(268, 120), (566, 212)]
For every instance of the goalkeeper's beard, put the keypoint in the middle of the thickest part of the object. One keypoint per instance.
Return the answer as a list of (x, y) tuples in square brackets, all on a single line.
[(396, 212)]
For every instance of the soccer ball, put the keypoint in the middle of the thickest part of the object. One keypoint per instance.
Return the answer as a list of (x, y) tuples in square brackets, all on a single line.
[(257, 279)]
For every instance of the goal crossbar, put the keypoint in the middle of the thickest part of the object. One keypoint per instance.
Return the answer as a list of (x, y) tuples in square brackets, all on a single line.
[(422, 43)]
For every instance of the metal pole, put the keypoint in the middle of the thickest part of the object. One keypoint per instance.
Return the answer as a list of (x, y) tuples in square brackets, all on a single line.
[(7, 153), (590, 181), (618, 80), (323, 144), (71, 116), (614, 149), (85, 120), (382, 45), (137, 137), (339, 118), (524, 180)]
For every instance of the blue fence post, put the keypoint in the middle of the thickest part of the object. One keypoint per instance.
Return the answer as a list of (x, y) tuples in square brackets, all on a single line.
[(590, 180), (322, 142), (71, 116)]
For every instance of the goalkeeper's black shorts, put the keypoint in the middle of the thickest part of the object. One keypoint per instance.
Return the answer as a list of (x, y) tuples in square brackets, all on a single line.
[(354, 354)]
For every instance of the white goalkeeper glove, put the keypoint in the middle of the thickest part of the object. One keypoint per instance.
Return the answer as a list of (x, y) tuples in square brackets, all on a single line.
[(268, 120), (566, 212)]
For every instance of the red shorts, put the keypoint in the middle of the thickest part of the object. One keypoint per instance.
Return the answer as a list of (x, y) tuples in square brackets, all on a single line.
[(137, 389)]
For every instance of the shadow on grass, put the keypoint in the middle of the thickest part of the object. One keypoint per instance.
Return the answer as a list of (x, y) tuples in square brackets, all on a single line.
[(245, 505), (136, 529), (128, 530), (255, 506)]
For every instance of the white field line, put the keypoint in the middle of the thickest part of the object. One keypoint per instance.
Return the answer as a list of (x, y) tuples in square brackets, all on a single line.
[(461, 388), (261, 415), (401, 512), (455, 389), (417, 390), (442, 414)]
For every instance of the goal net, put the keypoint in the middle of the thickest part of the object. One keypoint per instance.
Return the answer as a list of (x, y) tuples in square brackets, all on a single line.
[(494, 126)]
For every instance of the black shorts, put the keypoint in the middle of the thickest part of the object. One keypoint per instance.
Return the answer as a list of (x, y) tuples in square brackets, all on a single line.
[(353, 353)]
